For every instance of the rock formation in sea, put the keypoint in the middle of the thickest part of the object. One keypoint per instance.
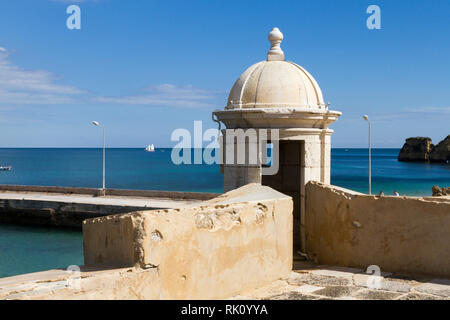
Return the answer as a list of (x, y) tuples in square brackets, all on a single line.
[(416, 149), (440, 191), (421, 149), (441, 151)]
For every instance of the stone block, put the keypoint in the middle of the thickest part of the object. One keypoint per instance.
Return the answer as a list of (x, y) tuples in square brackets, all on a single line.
[(345, 273), (418, 296), (306, 288), (366, 294), (436, 287), (363, 280), (313, 152), (240, 240), (336, 291)]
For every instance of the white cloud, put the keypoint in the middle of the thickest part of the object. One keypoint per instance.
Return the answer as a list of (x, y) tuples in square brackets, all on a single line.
[(430, 110), (39, 87), (167, 95), (413, 113), (406, 113), (9, 98), (18, 86)]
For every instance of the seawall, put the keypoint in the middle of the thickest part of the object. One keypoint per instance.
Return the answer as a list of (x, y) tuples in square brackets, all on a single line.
[(68, 207)]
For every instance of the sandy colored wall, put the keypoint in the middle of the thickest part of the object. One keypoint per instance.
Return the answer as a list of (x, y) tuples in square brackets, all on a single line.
[(399, 234), (238, 241)]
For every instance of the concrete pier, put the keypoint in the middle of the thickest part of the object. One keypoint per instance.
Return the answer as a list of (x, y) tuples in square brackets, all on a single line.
[(68, 207)]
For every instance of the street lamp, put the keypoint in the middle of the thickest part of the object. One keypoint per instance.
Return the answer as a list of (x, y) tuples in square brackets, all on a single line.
[(96, 123), (365, 117)]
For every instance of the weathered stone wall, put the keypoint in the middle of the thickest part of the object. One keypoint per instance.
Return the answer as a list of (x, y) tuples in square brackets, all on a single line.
[(399, 234), (238, 241)]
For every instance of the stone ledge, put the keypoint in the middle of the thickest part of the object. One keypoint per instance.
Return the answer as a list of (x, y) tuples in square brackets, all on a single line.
[(309, 281), (215, 249)]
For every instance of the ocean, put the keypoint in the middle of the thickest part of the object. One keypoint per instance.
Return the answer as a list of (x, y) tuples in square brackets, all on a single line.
[(26, 249)]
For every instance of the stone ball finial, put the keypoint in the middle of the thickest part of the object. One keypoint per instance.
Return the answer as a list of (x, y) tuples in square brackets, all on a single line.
[(275, 53)]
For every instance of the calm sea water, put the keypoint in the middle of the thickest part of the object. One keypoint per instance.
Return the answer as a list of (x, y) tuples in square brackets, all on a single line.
[(28, 249)]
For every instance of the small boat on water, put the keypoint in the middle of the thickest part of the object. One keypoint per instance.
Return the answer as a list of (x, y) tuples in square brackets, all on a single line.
[(7, 168), (150, 148)]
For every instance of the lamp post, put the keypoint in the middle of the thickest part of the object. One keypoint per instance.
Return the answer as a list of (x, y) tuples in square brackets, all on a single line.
[(96, 123), (365, 117)]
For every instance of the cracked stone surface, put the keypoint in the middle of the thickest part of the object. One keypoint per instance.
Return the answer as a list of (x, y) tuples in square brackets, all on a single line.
[(418, 296), (318, 280), (309, 281)]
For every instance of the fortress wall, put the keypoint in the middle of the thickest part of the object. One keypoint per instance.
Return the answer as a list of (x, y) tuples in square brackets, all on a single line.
[(235, 242), (240, 240), (399, 234)]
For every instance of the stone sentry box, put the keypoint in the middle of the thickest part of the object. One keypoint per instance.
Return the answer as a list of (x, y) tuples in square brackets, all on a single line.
[(278, 95)]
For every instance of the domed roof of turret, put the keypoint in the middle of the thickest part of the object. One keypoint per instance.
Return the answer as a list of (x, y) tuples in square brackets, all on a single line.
[(275, 83)]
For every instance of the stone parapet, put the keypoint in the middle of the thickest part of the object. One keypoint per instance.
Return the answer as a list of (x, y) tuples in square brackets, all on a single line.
[(238, 241), (398, 234)]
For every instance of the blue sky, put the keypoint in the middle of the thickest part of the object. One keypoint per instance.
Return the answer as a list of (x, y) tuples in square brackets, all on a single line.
[(144, 68)]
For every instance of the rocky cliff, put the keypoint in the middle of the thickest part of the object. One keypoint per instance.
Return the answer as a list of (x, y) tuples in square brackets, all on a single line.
[(416, 149), (441, 152), (437, 192), (421, 149)]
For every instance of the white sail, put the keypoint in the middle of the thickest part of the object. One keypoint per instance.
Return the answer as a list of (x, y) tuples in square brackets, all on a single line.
[(150, 147)]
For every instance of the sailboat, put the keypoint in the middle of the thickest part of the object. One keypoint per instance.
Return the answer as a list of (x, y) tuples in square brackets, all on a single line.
[(150, 148)]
